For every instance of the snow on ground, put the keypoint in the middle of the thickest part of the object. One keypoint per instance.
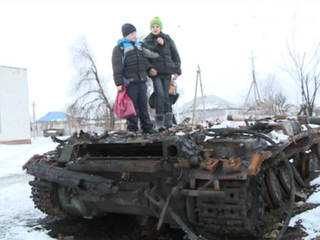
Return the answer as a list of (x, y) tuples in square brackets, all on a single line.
[(310, 221), (231, 124), (315, 197), (18, 216), (311, 218)]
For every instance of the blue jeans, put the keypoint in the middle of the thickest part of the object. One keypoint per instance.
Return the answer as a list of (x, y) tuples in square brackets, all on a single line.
[(138, 94), (161, 87)]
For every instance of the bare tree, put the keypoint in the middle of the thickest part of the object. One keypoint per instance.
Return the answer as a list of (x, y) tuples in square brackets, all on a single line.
[(280, 102), (273, 98), (306, 74), (92, 102), (268, 91)]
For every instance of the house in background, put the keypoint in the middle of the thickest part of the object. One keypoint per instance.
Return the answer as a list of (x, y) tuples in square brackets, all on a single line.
[(60, 124), (55, 124), (14, 106), (52, 124), (215, 107)]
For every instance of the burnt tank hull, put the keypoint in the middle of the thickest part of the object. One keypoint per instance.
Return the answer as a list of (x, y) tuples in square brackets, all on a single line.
[(204, 181)]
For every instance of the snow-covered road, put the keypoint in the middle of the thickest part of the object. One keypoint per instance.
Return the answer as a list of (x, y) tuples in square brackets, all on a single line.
[(18, 217)]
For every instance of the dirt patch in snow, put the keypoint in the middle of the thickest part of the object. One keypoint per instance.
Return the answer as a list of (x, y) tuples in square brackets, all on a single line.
[(119, 227), (111, 227)]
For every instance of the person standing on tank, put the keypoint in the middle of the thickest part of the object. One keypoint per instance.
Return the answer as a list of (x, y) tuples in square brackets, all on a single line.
[(130, 68), (161, 69)]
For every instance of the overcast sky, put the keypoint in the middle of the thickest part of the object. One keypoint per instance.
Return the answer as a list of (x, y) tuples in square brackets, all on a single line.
[(217, 35)]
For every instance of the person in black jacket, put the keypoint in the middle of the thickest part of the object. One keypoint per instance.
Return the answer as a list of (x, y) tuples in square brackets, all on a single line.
[(130, 67), (161, 69)]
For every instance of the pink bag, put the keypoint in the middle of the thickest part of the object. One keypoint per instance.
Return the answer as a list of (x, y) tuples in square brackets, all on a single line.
[(123, 107)]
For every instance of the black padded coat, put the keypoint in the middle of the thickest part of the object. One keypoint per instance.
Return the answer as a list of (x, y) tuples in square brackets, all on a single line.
[(169, 61), (131, 63)]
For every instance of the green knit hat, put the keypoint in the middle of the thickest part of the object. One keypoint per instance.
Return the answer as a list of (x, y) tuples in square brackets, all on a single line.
[(156, 20)]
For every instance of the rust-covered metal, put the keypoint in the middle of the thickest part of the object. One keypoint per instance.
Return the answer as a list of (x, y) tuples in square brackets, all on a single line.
[(257, 161), (206, 181)]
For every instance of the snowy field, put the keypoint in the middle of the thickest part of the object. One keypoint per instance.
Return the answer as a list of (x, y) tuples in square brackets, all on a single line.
[(18, 217)]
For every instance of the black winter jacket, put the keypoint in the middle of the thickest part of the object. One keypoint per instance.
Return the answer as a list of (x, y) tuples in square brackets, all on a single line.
[(131, 62), (169, 61)]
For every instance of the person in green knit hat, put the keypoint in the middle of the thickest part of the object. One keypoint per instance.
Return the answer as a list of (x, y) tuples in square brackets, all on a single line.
[(161, 69)]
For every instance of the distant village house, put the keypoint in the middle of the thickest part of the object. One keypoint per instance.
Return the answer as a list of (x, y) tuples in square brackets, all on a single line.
[(60, 124), (211, 108)]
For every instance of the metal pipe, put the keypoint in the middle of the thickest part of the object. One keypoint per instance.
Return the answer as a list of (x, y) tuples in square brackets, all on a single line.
[(164, 211), (202, 193)]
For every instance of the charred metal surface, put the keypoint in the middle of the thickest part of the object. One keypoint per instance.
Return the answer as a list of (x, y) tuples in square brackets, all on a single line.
[(207, 182), (148, 166), (95, 184), (239, 213)]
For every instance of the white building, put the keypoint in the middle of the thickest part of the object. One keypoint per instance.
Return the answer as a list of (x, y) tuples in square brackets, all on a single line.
[(14, 106), (215, 107)]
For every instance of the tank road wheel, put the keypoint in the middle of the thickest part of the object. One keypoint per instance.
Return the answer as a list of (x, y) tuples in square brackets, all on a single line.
[(284, 180), (267, 197), (274, 188), (297, 177), (45, 199)]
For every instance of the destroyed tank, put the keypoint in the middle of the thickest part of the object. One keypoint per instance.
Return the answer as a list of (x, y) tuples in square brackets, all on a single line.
[(207, 181)]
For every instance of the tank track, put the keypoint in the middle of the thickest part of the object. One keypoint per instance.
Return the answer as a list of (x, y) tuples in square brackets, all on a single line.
[(42, 197), (240, 213)]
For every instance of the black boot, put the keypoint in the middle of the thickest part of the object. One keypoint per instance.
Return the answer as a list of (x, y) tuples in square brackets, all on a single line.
[(168, 120), (150, 130), (160, 122)]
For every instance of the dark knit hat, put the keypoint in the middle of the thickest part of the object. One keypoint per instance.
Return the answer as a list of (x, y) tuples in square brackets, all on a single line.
[(156, 20), (127, 28)]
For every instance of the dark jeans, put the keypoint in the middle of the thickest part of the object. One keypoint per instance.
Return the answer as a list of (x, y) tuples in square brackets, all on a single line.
[(161, 87), (138, 94)]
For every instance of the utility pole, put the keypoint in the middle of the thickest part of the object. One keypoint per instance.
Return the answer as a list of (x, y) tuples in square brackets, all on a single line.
[(253, 85), (195, 97)]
